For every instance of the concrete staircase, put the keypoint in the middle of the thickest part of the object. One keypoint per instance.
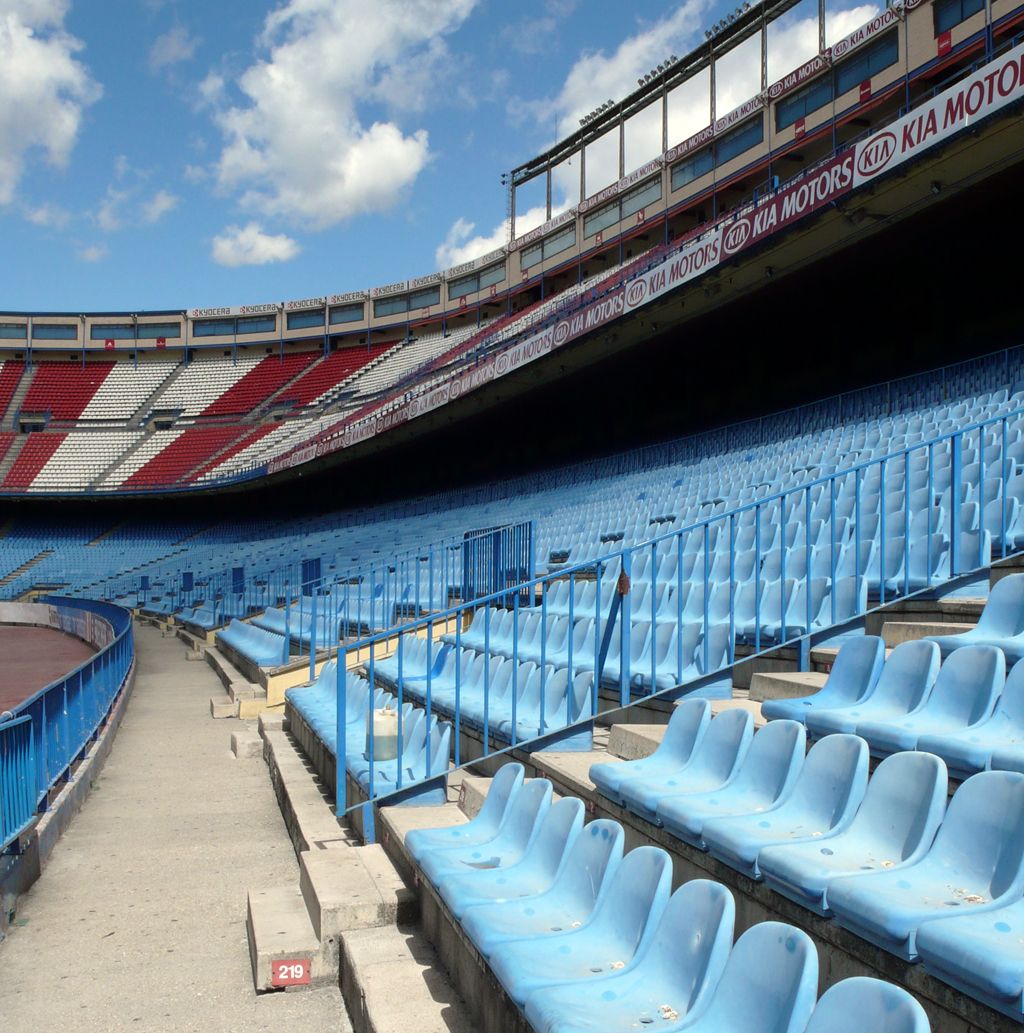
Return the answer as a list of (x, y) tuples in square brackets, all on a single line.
[(12, 454), (26, 566), (14, 406)]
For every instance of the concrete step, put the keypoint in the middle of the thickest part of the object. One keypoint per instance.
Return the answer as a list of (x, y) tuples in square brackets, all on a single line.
[(280, 934), (246, 745), (391, 980), (785, 684), (357, 888), (631, 742), (752, 707), (896, 632), (222, 707)]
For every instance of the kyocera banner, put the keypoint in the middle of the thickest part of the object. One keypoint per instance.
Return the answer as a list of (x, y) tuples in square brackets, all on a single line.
[(794, 202), (992, 87)]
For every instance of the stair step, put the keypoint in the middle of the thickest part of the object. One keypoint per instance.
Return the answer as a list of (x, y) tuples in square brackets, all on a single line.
[(246, 745), (357, 888), (896, 632), (785, 684), (391, 979), (631, 742), (280, 933), (752, 707)]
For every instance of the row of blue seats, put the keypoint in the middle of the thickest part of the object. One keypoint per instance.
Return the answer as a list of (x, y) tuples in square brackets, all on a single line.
[(886, 857), (425, 743), (263, 648), (585, 939)]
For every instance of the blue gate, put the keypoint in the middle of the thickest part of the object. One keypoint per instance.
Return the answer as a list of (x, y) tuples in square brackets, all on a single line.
[(496, 558)]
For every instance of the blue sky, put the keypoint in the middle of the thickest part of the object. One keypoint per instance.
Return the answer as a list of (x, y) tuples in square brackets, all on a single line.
[(179, 153)]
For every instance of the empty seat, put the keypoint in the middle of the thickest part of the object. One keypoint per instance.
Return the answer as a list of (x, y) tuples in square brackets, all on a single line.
[(853, 676), (824, 799), (859, 1004), (672, 982), (764, 776), (906, 679), (1001, 622), (963, 695), (894, 827), (614, 937), (685, 729), (976, 863)]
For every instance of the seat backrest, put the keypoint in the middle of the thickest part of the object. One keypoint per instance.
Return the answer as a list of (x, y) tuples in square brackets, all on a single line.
[(770, 982), (832, 781), (909, 674), (1011, 700), (526, 809), (856, 671), (982, 835), (773, 760), (968, 683), (686, 727), (504, 786), (558, 831), (724, 744), (593, 859), (692, 943), (904, 804), (636, 898), (1003, 615), (861, 1003)]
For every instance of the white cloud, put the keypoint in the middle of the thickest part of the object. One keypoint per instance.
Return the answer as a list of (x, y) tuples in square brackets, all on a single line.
[(296, 145), (48, 214), (461, 245), (158, 206), (249, 245), (93, 253), (44, 88), (110, 213), (171, 48)]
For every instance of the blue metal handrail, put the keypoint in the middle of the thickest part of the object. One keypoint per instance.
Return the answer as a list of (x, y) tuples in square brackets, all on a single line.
[(65, 716), (775, 513)]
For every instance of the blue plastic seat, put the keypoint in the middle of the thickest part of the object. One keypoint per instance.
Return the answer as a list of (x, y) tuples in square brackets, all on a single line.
[(904, 684), (686, 727), (582, 881), (853, 677), (976, 863), (615, 936), (969, 750), (981, 954), (769, 985), (1001, 619), (862, 1004), (824, 799), (513, 838), (1007, 758), (504, 786), (764, 776), (894, 827), (533, 874), (713, 761), (676, 976), (963, 695)]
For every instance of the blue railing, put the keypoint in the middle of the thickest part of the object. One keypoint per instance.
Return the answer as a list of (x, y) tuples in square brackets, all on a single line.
[(47, 733), (784, 569)]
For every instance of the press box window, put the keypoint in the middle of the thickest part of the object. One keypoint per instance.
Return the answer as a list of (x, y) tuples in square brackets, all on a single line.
[(112, 331), (54, 332), (738, 140), (151, 331), (548, 248), (257, 325), (347, 313), (949, 13), (474, 282), (13, 331), (302, 320), (699, 164), (866, 62), (803, 102)]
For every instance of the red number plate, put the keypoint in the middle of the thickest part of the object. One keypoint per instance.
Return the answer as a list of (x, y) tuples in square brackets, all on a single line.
[(290, 973)]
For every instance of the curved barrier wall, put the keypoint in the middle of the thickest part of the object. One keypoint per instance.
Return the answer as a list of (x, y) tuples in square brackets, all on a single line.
[(47, 733)]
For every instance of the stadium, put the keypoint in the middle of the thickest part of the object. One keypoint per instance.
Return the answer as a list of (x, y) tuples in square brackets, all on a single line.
[(620, 629)]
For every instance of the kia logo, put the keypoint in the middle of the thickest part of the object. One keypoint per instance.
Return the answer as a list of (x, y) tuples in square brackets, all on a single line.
[(636, 292), (876, 154), (737, 235), (561, 333)]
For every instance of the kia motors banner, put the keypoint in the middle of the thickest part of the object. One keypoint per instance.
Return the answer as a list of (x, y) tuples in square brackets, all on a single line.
[(992, 87)]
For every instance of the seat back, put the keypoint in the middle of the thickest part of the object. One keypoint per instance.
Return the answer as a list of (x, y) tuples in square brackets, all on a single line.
[(862, 1003), (525, 811), (504, 786), (904, 804), (856, 671), (968, 684), (1011, 700), (628, 915), (593, 859), (558, 831), (832, 781), (686, 727), (770, 982), (982, 835), (724, 744), (1003, 615), (774, 759), (909, 674)]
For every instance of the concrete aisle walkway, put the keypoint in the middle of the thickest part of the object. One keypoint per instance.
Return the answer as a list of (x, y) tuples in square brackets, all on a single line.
[(138, 923)]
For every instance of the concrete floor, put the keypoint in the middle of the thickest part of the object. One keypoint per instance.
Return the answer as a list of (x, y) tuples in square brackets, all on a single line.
[(138, 922)]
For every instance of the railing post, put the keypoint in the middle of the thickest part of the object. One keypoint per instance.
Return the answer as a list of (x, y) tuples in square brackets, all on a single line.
[(956, 478), (341, 757), (625, 629)]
